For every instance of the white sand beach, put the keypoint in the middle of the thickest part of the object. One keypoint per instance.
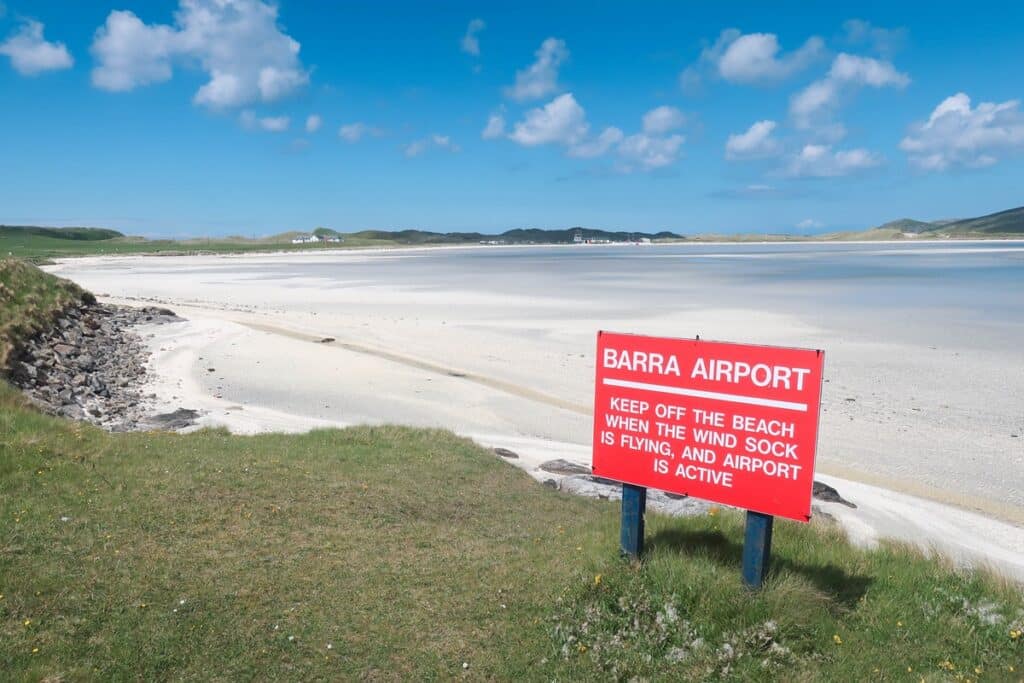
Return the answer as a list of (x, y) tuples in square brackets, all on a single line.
[(922, 425)]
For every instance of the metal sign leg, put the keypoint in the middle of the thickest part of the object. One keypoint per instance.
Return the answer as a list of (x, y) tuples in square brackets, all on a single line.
[(634, 505), (757, 548)]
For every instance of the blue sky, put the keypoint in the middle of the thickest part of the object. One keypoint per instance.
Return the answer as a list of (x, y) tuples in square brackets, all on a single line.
[(193, 117)]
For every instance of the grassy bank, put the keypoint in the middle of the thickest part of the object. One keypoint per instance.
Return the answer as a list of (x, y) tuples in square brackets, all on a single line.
[(398, 554), (41, 247), (29, 302)]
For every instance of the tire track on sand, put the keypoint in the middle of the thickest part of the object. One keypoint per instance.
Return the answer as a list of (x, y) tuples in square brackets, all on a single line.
[(408, 361)]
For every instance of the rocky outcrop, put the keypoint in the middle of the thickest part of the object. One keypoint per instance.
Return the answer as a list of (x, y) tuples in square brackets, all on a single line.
[(90, 365)]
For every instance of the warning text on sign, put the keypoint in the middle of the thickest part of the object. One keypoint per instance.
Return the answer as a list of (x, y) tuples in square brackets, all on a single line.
[(731, 423)]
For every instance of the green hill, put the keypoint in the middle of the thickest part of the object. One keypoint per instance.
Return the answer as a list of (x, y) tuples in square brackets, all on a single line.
[(79, 234), (907, 225), (1010, 222), (515, 236)]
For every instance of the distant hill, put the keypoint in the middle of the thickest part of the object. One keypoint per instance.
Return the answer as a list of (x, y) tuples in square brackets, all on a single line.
[(1004, 223), (1010, 222), (81, 234), (516, 236), (907, 225)]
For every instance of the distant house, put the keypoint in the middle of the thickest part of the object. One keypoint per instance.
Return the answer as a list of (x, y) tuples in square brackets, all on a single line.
[(577, 237), (305, 239)]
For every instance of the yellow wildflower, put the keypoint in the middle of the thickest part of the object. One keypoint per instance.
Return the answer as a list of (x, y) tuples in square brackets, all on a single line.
[(35, 650), (947, 665), (28, 622), (1016, 634), (597, 580), (978, 670), (837, 640)]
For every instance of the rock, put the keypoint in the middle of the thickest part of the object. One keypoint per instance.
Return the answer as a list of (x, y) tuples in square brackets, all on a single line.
[(326, 340), (72, 411), (561, 466), (824, 492), (606, 482), (88, 366), (584, 485), (506, 453), (551, 483), (25, 371), (173, 421)]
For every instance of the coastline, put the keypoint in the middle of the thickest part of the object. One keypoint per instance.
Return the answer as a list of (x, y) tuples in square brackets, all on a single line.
[(272, 373), (968, 538)]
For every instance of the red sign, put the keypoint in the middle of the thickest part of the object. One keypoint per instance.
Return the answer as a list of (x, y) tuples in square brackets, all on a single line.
[(736, 424)]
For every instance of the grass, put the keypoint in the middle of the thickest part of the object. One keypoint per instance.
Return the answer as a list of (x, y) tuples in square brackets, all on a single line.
[(40, 248), (390, 553), (410, 552)]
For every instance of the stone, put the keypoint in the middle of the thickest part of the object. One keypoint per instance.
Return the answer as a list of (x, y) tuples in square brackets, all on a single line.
[(72, 411), (506, 453), (64, 349), (561, 466), (823, 491), (173, 421)]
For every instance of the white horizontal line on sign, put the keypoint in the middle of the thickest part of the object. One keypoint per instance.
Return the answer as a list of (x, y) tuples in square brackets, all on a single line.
[(713, 395)]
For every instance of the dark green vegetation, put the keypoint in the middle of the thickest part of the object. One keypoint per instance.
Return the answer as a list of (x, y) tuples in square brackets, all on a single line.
[(30, 301), (40, 244), (390, 553), (1005, 224)]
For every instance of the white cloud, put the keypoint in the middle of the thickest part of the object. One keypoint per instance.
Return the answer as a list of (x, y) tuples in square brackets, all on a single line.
[(470, 41), (495, 127), (560, 121), (662, 119), (354, 132), (313, 123), (751, 58), (957, 135), (437, 141), (31, 54), (884, 41), (238, 43), (271, 124), (540, 78), (756, 143), (648, 152), (819, 161), (599, 146), (809, 224), (847, 73)]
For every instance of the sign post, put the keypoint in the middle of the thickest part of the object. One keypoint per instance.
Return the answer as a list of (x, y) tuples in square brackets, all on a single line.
[(634, 506), (757, 547), (735, 424)]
